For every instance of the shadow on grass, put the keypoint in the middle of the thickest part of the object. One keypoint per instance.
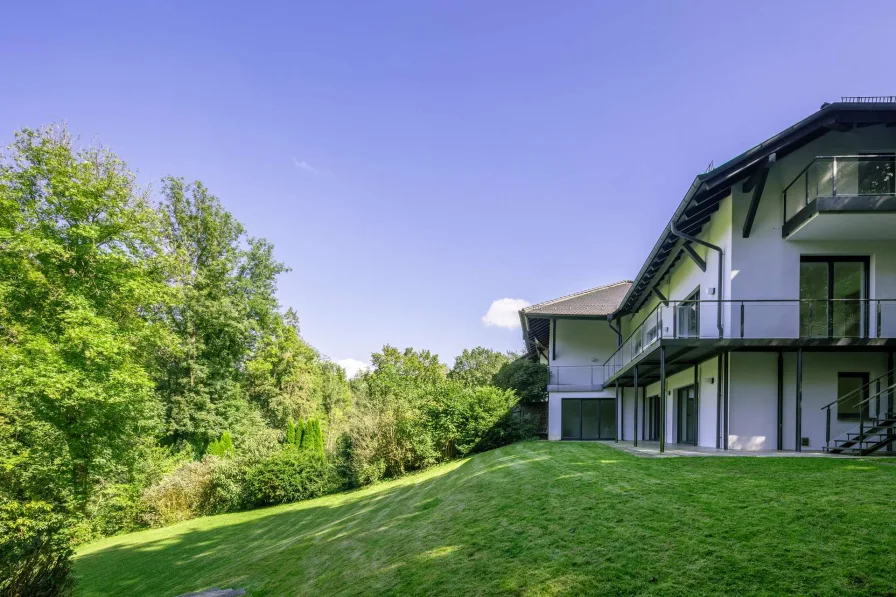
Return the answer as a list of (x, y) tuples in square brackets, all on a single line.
[(539, 518)]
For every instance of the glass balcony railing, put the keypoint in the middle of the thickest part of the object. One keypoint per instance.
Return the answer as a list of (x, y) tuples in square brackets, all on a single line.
[(845, 175), (757, 319), (578, 376)]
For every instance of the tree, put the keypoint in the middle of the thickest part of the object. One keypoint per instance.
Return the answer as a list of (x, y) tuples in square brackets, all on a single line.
[(529, 380), (223, 447), (225, 283), (81, 290), (476, 367), (283, 375), (312, 437)]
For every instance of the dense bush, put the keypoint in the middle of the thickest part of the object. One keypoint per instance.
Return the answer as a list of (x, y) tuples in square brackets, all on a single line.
[(288, 476), (529, 380), (35, 551), (210, 486)]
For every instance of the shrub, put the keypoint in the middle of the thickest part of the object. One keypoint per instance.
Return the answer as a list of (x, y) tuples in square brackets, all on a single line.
[(210, 486), (313, 437), (290, 433), (225, 489), (35, 551), (288, 476), (529, 380), (223, 447)]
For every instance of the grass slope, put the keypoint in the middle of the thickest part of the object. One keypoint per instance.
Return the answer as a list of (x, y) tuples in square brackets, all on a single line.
[(541, 518)]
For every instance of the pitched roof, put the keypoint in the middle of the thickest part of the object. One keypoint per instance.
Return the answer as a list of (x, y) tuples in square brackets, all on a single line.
[(596, 302), (708, 189)]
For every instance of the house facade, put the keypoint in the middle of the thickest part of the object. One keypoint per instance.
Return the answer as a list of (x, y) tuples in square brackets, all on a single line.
[(764, 317)]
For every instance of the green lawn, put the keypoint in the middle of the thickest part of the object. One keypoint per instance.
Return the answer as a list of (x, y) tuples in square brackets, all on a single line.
[(541, 518)]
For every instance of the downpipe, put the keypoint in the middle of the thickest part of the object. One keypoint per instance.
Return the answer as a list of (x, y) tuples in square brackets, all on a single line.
[(676, 232), (617, 330)]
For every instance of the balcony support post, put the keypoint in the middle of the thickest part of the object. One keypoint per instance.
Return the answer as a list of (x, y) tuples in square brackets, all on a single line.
[(727, 367), (799, 400), (890, 395), (780, 400), (697, 404), (619, 431), (662, 398), (719, 403), (635, 424)]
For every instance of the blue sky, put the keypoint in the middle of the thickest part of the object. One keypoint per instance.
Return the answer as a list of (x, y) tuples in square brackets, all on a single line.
[(415, 161)]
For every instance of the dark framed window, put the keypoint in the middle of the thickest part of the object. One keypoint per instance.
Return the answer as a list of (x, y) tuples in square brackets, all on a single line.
[(833, 297), (852, 393), (587, 418), (687, 316)]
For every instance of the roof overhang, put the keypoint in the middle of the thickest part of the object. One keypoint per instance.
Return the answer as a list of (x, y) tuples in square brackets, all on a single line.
[(707, 191)]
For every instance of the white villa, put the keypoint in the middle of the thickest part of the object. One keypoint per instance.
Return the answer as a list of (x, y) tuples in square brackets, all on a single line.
[(764, 317)]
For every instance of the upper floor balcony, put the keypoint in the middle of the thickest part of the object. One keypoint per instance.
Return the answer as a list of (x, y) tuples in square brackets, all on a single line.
[(757, 323), (845, 197)]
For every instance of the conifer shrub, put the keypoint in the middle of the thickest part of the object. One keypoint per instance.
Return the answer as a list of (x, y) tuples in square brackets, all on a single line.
[(221, 447)]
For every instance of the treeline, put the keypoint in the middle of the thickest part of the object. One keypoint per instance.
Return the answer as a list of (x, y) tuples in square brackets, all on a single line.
[(149, 375)]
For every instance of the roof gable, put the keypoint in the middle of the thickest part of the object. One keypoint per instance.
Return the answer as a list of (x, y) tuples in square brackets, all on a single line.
[(595, 302)]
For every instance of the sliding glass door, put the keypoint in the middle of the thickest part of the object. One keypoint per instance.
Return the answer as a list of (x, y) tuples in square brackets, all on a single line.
[(588, 418), (833, 297), (687, 415), (651, 429)]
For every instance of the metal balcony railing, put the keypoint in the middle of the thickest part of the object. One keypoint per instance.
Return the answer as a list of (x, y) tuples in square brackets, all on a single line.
[(758, 319), (840, 176), (571, 376)]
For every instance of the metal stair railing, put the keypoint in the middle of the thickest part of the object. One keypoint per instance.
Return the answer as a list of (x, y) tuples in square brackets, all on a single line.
[(873, 422)]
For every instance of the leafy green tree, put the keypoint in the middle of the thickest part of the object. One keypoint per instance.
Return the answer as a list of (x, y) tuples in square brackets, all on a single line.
[(477, 367), (81, 289), (283, 375), (335, 397), (529, 380), (225, 283)]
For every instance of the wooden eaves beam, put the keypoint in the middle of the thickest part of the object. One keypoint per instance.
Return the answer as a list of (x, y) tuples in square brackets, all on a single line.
[(689, 249), (756, 183)]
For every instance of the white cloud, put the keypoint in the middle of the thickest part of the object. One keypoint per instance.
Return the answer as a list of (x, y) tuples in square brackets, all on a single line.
[(353, 367), (303, 165), (504, 313)]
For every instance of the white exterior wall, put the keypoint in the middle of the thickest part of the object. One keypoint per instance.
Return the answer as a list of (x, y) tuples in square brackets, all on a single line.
[(707, 399), (753, 398), (685, 277), (554, 414), (578, 342), (766, 266)]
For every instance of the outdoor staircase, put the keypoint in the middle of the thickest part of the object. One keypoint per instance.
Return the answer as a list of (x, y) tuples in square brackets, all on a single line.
[(867, 438), (873, 432)]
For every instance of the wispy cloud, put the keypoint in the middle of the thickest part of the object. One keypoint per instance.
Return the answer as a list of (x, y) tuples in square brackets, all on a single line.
[(303, 165), (353, 367), (504, 313)]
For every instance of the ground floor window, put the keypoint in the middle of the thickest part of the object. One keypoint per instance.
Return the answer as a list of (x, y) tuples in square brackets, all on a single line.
[(852, 389), (588, 418)]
